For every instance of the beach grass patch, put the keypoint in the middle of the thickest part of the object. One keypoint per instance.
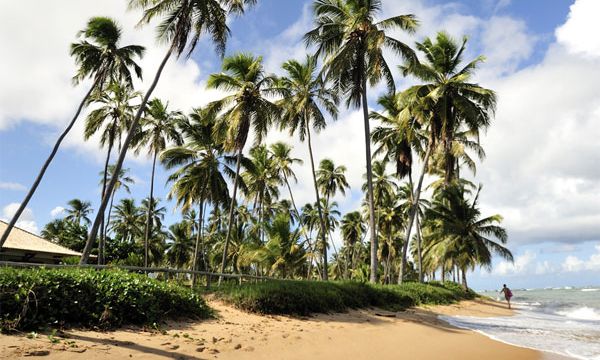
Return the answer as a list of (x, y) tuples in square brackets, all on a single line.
[(39, 297), (296, 297)]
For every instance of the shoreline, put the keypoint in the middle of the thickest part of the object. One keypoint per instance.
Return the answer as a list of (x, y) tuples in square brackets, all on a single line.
[(416, 333)]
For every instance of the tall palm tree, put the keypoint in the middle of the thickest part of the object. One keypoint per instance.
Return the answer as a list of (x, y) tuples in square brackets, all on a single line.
[(79, 210), (111, 118), (352, 42), (159, 127), (123, 181), (262, 184), (182, 24), (352, 227), (283, 162), (247, 107), (305, 94), (98, 57), (459, 229), (446, 79), (202, 170), (454, 100), (405, 195)]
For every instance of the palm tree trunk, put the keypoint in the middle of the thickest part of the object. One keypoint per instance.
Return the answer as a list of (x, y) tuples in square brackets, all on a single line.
[(112, 198), (150, 207), (40, 175), (324, 272), (464, 278), (197, 245), (231, 208), (419, 253), (102, 241), (374, 267), (134, 127), (416, 196)]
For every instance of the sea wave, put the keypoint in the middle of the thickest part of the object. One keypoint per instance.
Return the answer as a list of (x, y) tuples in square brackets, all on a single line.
[(581, 313), (541, 331), (589, 290)]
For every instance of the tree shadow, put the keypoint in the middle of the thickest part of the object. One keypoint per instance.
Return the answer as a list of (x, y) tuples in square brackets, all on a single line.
[(134, 346)]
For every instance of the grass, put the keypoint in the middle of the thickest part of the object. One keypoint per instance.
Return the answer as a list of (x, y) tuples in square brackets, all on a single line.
[(306, 297), (37, 298)]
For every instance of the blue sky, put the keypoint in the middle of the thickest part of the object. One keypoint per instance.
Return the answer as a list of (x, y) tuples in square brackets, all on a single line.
[(540, 172)]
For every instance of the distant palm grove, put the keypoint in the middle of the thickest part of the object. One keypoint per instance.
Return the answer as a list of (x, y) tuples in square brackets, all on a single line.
[(419, 218)]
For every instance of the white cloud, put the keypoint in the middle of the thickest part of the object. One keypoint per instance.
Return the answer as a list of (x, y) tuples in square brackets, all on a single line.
[(26, 220), (574, 264), (55, 97), (506, 42), (580, 33), (523, 264), (57, 211), (12, 186)]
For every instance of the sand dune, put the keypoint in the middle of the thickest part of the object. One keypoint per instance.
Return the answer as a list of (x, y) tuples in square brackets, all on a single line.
[(358, 334)]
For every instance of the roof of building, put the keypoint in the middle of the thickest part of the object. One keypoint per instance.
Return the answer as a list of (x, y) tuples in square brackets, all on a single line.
[(20, 239)]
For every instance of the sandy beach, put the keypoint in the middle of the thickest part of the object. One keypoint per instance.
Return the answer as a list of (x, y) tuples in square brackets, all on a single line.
[(358, 334)]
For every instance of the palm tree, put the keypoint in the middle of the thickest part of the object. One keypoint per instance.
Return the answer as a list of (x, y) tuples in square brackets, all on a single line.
[(282, 163), (202, 173), (123, 181), (180, 244), (352, 228), (305, 94), (112, 118), (406, 193), (127, 221), (331, 179), (447, 82), (352, 43), (453, 100), (459, 229), (247, 107), (183, 23), (159, 127), (79, 210), (99, 57), (262, 183)]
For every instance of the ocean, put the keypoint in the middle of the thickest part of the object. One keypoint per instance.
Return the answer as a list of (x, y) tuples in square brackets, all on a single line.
[(564, 321)]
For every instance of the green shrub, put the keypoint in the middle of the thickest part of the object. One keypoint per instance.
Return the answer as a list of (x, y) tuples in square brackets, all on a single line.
[(305, 297), (31, 298)]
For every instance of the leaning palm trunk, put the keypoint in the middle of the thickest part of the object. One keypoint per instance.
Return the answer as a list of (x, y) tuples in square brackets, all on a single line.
[(149, 216), (134, 126), (102, 241), (231, 208), (38, 179), (413, 211), (197, 245), (324, 272), (373, 236)]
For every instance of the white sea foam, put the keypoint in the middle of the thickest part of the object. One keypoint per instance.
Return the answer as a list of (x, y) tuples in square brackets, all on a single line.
[(537, 330), (581, 313), (589, 290)]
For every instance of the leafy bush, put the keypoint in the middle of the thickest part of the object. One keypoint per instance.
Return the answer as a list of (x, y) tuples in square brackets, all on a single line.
[(31, 298), (305, 297)]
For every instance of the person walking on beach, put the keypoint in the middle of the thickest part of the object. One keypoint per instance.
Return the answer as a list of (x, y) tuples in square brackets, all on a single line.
[(507, 294)]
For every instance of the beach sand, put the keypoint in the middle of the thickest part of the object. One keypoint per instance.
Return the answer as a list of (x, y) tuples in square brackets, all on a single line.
[(358, 334)]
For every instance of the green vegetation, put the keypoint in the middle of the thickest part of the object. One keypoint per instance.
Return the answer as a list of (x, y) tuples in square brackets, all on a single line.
[(305, 297), (35, 298)]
